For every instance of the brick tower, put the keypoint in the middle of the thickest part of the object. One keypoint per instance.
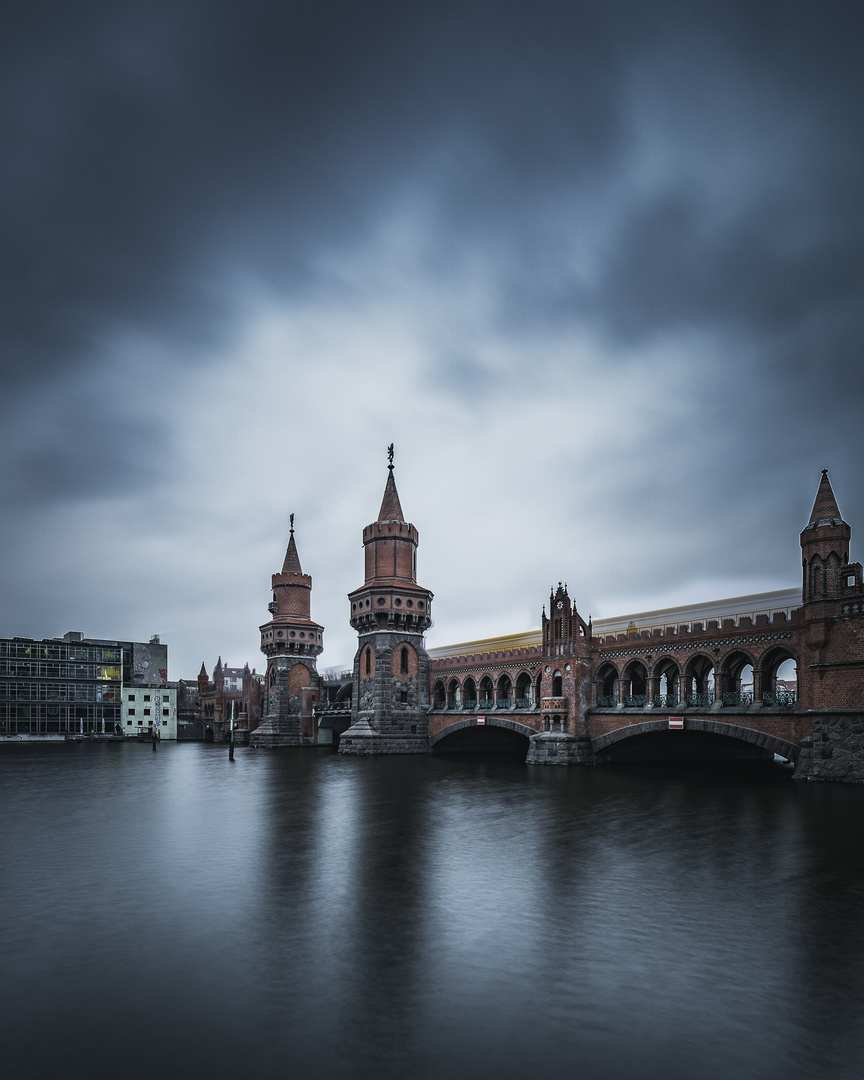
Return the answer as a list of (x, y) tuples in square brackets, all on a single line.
[(390, 613), (290, 641), (832, 593), (565, 686)]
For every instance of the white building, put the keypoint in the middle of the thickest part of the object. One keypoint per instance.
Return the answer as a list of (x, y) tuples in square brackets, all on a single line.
[(149, 707)]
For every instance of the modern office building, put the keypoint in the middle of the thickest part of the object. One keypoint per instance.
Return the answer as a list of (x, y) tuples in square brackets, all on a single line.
[(73, 686)]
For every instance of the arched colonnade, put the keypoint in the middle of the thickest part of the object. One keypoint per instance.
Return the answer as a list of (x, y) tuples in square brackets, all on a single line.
[(736, 679)]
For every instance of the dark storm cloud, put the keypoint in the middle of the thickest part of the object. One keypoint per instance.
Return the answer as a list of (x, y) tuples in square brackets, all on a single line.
[(155, 154)]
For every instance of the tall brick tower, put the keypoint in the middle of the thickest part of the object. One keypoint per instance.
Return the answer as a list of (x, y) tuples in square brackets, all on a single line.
[(390, 613), (291, 641)]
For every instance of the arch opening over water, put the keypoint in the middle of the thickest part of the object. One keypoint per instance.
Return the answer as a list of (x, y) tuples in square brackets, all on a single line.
[(503, 738)]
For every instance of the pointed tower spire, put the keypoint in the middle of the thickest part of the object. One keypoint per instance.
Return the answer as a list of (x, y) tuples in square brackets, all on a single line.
[(824, 548), (825, 508), (291, 565), (203, 672), (391, 509)]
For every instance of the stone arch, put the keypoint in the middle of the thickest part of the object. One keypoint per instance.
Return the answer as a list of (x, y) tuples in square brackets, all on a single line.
[(606, 685), (736, 688), (523, 690), (299, 677), (439, 695), (454, 694), (403, 661), (557, 684), (635, 680), (762, 739), (504, 692), (469, 693), (487, 691), (767, 672), (666, 680), (699, 679), (490, 721)]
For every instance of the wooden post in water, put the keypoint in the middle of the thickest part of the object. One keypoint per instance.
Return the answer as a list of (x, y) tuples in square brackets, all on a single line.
[(231, 740)]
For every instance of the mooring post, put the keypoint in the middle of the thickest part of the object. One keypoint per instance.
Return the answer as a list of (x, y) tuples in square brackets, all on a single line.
[(231, 740)]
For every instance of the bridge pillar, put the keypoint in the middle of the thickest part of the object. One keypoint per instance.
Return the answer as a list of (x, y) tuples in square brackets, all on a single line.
[(559, 748), (835, 750)]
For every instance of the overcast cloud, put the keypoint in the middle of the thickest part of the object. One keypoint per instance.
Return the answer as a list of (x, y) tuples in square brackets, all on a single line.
[(595, 268)]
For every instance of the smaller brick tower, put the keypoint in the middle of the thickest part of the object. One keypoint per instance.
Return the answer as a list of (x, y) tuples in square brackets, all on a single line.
[(833, 602), (390, 613), (291, 641)]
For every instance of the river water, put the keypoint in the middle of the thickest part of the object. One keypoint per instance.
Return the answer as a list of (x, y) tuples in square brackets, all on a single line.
[(296, 914)]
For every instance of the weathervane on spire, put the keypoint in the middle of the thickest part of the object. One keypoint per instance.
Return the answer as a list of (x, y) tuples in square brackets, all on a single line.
[(390, 455), (292, 523)]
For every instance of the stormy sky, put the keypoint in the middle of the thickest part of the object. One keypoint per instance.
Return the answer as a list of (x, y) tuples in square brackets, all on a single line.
[(595, 268)]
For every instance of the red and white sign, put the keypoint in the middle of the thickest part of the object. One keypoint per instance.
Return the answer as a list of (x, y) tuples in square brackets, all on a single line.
[(481, 719), (676, 723)]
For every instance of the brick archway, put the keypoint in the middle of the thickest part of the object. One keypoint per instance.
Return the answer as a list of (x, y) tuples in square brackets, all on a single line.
[(709, 727), (491, 721)]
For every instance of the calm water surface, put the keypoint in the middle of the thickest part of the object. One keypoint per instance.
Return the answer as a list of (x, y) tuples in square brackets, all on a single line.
[(297, 914)]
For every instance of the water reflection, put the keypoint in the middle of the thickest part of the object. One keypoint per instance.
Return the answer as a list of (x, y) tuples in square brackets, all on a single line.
[(433, 917)]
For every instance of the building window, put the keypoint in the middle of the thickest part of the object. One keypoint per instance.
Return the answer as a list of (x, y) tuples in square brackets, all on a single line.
[(164, 712), (131, 712), (131, 697), (128, 723), (403, 697), (166, 697), (146, 697), (146, 712), (403, 661), (164, 723)]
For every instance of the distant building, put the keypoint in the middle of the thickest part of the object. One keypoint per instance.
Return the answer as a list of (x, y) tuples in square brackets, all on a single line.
[(231, 698), (73, 686)]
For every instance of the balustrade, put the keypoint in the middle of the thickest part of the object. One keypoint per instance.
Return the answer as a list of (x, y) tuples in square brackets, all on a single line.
[(735, 698)]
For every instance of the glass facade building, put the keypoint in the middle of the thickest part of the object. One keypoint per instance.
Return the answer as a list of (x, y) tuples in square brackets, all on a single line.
[(72, 685)]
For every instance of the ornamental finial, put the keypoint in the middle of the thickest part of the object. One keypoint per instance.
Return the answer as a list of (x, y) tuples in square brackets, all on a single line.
[(390, 455), (292, 523)]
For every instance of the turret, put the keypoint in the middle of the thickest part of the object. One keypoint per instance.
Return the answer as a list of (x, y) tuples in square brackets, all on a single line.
[(291, 629), (825, 549)]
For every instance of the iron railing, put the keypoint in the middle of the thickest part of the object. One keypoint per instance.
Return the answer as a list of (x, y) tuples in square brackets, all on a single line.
[(780, 697), (523, 703), (607, 702), (635, 701), (736, 698), (666, 701), (700, 700)]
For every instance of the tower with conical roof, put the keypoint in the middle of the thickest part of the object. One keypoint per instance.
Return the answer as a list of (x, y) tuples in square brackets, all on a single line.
[(824, 547), (832, 650), (390, 613), (291, 641)]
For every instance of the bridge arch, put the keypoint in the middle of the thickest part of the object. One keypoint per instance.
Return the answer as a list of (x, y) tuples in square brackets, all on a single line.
[(761, 739), (503, 724)]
